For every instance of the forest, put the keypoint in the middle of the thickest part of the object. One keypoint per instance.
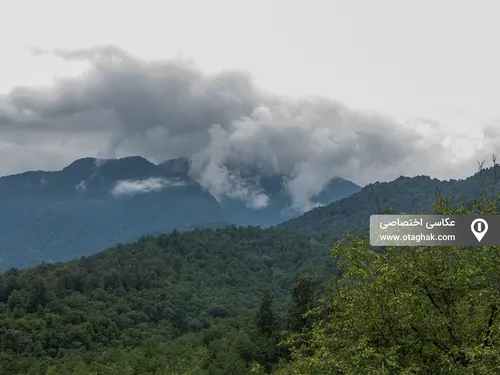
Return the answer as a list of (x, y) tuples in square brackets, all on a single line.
[(260, 301)]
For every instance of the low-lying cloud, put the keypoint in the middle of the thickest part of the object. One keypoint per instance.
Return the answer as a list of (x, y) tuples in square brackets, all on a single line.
[(135, 187), (165, 109)]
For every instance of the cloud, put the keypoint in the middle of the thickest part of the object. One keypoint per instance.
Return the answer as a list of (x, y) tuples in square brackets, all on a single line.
[(209, 168), (134, 187), (165, 109), (82, 186)]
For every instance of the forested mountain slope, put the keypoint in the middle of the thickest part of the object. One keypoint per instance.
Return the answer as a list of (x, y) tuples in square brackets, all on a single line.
[(405, 194), (93, 204), (213, 301), (199, 303), (89, 205), (156, 289)]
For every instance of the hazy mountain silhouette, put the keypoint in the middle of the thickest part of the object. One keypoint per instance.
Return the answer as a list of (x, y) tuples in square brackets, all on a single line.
[(278, 207), (92, 204)]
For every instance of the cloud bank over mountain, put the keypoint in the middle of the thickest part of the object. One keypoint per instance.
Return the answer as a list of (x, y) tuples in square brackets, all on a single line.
[(123, 105)]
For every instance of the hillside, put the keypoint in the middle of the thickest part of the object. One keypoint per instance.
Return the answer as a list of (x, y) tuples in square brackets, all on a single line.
[(278, 208), (272, 186), (405, 194), (155, 290), (212, 301), (93, 204)]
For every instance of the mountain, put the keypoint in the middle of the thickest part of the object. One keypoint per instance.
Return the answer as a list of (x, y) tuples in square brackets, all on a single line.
[(279, 204), (178, 167), (211, 301), (405, 194), (144, 294), (93, 204), (277, 207)]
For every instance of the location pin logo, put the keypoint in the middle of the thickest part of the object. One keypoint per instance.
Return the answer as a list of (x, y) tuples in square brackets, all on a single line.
[(479, 227)]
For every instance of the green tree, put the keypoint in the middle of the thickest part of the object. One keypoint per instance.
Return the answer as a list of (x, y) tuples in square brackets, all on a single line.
[(265, 321), (303, 300), (409, 310)]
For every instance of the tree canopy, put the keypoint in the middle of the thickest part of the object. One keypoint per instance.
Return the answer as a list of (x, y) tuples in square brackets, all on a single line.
[(251, 301), (407, 310)]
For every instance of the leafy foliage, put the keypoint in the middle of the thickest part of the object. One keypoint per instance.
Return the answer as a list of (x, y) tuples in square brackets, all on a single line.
[(408, 310), (152, 291), (245, 301)]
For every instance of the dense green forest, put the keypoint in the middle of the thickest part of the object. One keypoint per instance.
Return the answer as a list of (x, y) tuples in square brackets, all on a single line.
[(251, 301), (405, 194), (152, 291), (408, 310)]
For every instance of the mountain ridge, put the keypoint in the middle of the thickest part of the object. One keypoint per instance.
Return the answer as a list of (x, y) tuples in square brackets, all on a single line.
[(202, 286), (404, 194), (93, 203)]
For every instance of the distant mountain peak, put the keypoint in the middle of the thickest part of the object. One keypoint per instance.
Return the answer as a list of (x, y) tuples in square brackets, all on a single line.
[(130, 159), (87, 162), (83, 163), (178, 166)]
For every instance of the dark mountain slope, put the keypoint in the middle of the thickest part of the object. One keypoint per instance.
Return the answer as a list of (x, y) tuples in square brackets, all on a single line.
[(145, 294), (90, 205), (405, 194), (278, 207)]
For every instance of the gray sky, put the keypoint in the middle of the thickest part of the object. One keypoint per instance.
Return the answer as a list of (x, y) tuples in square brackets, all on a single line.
[(366, 90)]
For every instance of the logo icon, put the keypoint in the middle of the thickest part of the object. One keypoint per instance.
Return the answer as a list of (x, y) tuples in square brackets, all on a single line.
[(479, 227)]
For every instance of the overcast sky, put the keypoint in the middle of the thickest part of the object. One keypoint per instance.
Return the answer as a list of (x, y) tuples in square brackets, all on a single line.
[(365, 89)]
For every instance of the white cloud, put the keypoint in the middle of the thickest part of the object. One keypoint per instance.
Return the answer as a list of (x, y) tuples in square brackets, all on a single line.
[(134, 187), (82, 186)]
